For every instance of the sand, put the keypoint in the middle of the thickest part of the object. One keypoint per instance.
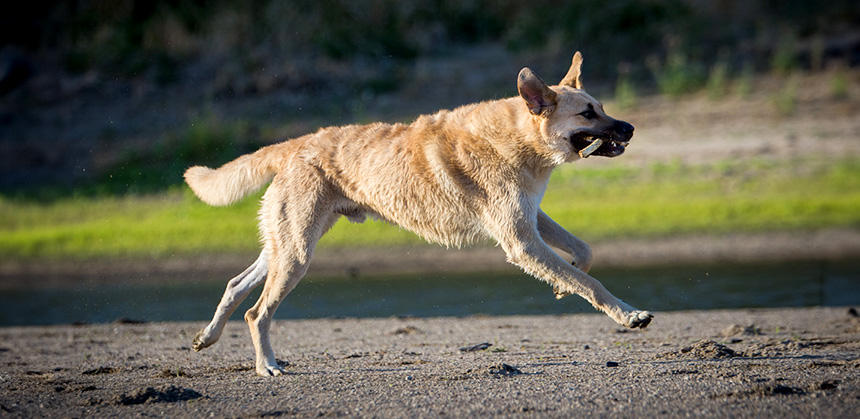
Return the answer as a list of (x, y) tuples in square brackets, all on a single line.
[(784, 362)]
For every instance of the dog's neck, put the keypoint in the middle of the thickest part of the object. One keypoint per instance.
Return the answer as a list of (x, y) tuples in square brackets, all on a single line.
[(514, 133)]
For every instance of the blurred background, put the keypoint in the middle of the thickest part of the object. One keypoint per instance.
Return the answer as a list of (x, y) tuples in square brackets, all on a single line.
[(743, 174)]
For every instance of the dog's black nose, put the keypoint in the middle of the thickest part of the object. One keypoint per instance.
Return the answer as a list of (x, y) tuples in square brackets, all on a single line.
[(624, 128)]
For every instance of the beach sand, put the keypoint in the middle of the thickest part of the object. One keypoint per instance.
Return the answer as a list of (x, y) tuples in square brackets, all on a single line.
[(800, 362)]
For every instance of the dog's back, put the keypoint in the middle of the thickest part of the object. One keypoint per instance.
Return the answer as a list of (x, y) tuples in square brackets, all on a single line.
[(390, 170)]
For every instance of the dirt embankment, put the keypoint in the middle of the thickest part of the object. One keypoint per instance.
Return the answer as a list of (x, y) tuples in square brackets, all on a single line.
[(747, 363), (824, 245)]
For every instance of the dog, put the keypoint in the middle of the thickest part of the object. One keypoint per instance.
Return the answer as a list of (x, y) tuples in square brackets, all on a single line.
[(477, 171)]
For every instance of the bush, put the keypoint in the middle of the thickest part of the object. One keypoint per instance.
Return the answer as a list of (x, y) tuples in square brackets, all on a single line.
[(744, 83), (625, 93), (783, 60), (205, 141), (839, 84), (785, 100), (717, 80), (677, 76)]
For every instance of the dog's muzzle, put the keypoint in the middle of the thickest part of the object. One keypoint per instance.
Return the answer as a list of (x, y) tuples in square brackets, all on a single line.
[(608, 143)]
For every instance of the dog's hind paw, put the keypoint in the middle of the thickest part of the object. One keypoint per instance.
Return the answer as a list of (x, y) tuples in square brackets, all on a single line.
[(639, 319)]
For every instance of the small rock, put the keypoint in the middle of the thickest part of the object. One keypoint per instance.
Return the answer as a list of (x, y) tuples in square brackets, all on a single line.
[(703, 349), (611, 364), (853, 312), (504, 370), (408, 330), (478, 347), (172, 373), (126, 320), (736, 329), (155, 395), (828, 385), (100, 370), (778, 389), (356, 355)]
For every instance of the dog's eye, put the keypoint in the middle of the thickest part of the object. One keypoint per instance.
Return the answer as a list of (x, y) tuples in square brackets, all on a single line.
[(588, 114)]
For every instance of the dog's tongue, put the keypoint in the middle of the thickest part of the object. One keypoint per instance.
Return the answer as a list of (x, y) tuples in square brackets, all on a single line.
[(585, 152)]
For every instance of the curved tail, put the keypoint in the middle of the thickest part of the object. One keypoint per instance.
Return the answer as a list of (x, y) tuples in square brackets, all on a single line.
[(232, 181)]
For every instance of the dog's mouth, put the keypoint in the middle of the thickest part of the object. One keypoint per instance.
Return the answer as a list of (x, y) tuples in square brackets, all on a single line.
[(598, 144)]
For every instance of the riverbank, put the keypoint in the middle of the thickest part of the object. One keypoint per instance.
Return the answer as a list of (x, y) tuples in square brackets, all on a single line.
[(743, 363), (818, 245)]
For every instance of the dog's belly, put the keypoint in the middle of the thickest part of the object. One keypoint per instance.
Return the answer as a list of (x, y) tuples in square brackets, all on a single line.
[(435, 222), (449, 229)]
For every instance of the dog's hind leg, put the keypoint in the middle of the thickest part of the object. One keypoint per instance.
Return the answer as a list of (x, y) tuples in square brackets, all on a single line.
[(297, 210), (237, 290)]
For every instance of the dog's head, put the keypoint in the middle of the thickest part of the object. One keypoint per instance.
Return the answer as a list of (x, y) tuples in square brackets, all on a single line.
[(570, 119)]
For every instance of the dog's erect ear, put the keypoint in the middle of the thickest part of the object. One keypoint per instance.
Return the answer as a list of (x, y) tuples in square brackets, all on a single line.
[(572, 77), (538, 96)]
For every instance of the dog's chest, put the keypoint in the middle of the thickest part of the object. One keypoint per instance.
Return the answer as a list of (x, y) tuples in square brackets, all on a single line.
[(534, 186)]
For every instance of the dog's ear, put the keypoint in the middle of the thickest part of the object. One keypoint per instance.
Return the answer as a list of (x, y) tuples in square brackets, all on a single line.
[(572, 77), (539, 97)]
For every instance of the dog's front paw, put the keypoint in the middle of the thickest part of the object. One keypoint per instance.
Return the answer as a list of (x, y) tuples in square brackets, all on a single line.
[(200, 341), (638, 319), (271, 370)]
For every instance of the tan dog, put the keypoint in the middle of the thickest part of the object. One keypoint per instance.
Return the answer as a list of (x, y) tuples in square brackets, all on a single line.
[(452, 177)]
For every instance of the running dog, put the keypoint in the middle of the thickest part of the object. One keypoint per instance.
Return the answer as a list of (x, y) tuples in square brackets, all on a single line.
[(478, 171)]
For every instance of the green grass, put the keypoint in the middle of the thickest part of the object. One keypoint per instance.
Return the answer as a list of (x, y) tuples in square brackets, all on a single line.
[(594, 203)]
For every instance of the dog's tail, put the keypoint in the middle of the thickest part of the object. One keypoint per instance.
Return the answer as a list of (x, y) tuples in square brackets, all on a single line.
[(234, 180)]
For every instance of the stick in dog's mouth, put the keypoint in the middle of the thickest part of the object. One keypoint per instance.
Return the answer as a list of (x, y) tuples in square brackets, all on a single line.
[(585, 152)]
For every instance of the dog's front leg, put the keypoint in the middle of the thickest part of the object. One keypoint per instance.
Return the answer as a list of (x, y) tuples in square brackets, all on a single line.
[(525, 248), (555, 235)]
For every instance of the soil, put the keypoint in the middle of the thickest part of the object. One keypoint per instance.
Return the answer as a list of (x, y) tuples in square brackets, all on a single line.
[(801, 362)]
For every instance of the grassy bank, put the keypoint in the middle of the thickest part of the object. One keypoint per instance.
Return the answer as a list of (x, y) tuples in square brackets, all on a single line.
[(594, 203)]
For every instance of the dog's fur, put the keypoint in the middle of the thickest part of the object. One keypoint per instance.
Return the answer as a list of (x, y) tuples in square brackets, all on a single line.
[(452, 177)]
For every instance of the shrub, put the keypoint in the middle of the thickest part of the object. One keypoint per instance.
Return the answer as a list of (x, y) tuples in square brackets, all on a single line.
[(677, 76), (839, 84), (785, 100), (625, 93), (744, 83), (717, 80), (783, 60)]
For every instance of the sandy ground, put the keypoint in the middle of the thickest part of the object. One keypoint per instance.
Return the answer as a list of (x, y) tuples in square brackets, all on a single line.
[(744, 363)]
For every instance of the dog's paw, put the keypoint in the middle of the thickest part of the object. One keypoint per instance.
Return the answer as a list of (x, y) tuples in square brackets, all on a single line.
[(638, 319), (270, 370), (200, 341)]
